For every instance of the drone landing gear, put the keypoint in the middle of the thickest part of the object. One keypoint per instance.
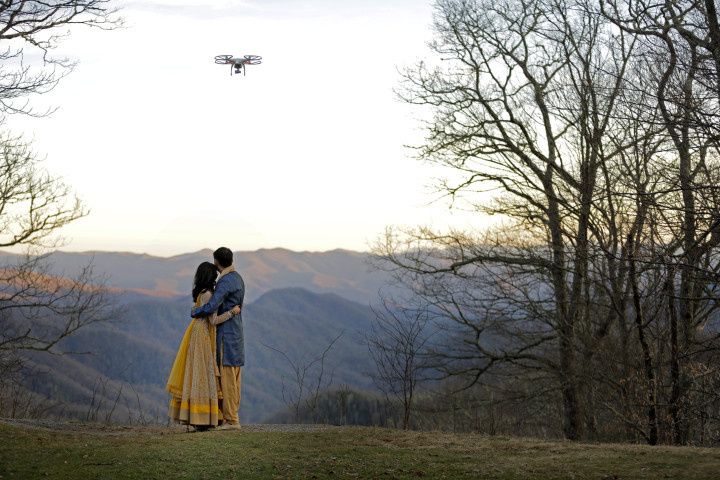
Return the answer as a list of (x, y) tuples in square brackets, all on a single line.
[(238, 69)]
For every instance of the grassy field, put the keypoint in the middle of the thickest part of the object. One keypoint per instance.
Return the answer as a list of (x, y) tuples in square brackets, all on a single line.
[(27, 453)]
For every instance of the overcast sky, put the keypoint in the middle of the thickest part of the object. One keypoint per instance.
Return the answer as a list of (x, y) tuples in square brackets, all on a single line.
[(172, 154)]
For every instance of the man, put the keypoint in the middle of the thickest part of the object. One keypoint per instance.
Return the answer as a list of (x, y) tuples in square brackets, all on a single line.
[(229, 291)]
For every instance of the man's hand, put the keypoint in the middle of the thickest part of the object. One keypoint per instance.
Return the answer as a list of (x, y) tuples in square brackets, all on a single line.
[(192, 311)]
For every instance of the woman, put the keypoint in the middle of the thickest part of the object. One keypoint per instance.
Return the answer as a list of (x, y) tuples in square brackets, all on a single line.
[(193, 380)]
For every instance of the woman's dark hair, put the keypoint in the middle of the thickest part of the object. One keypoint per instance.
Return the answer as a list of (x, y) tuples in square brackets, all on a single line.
[(205, 277)]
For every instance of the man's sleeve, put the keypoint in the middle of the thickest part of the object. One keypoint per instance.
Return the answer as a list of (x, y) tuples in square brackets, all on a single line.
[(214, 303), (242, 291)]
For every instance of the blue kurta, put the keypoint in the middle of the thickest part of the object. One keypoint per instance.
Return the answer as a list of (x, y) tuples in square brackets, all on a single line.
[(230, 291)]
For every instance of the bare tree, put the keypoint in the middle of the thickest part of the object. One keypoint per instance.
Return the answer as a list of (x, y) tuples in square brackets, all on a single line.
[(309, 378), (38, 306), (17, 401), (523, 103), (343, 394), (37, 28), (681, 41), (397, 342), (596, 126)]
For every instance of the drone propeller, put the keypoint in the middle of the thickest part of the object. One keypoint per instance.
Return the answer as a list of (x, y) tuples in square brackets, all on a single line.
[(253, 59), (223, 59)]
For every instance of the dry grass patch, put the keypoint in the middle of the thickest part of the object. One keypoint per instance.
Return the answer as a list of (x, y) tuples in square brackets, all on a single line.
[(337, 453)]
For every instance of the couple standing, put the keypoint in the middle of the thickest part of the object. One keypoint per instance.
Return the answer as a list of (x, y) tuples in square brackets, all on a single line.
[(206, 375)]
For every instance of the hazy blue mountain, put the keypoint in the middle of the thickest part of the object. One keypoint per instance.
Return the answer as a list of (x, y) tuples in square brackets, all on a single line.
[(139, 348), (342, 272)]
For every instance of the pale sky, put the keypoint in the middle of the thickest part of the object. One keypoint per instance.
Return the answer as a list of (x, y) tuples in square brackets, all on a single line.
[(306, 152)]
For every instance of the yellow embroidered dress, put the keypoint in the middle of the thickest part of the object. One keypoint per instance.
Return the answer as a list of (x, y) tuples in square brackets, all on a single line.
[(194, 378)]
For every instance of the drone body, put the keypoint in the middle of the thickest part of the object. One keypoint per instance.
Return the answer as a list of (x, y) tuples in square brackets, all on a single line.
[(237, 64)]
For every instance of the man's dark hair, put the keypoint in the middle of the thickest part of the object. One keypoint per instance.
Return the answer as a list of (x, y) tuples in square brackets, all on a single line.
[(223, 256)]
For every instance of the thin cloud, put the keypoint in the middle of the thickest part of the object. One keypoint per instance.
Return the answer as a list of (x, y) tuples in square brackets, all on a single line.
[(208, 10), (286, 8)]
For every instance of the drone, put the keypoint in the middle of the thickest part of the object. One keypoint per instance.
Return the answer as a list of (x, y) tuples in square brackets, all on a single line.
[(237, 64)]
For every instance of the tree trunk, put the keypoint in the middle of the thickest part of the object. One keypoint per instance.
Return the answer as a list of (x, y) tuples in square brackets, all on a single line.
[(675, 388), (652, 436), (566, 327)]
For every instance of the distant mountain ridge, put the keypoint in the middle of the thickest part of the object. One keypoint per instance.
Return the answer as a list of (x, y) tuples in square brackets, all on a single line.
[(295, 301), (137, 352), (343, 272)]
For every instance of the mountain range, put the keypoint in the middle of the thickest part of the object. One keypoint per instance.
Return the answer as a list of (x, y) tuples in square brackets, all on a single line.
[(343, 272), (297, 303)]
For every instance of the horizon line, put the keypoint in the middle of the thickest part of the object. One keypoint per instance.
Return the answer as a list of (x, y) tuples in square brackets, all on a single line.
[(202, 250)]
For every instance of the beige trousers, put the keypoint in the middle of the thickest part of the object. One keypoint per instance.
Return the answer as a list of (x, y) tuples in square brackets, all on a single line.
[(230, 379)]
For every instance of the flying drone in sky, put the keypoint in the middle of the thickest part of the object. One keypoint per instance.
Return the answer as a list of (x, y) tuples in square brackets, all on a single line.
[(237, 64)]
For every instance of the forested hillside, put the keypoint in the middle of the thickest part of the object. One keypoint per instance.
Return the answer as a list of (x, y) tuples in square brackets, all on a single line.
[(129, 359)]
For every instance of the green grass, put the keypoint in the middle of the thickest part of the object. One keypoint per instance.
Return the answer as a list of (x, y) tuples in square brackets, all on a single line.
[(342, 453)]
